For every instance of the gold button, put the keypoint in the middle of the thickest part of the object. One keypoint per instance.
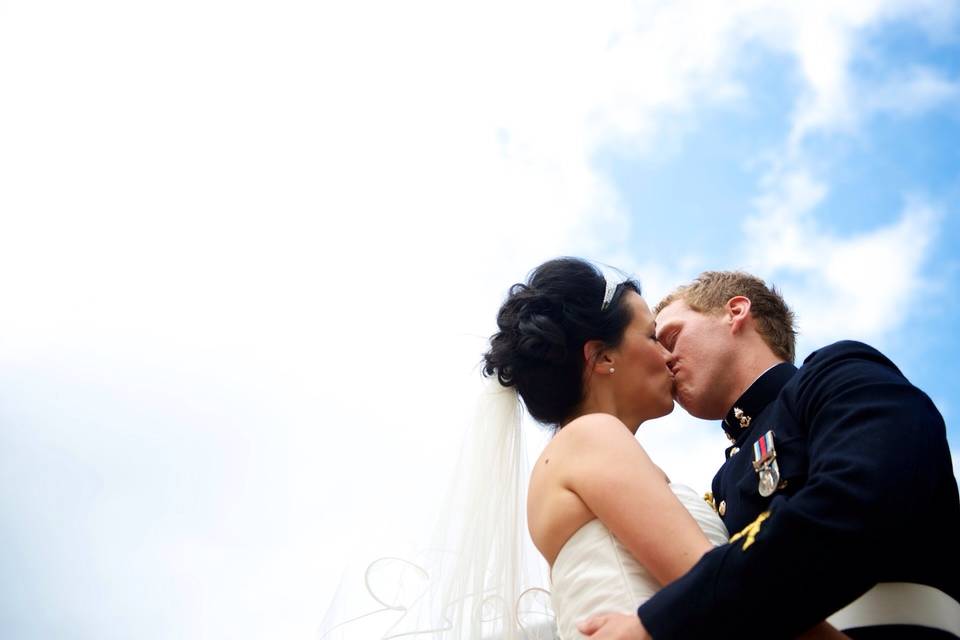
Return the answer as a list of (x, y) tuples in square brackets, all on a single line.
[(734, 451), (723, 508)]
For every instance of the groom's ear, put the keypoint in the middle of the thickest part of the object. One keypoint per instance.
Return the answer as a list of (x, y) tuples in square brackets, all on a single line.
[(738, 313), (596, 356)]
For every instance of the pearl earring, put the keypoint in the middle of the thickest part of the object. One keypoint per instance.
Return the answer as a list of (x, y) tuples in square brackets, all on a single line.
[(612, 369)]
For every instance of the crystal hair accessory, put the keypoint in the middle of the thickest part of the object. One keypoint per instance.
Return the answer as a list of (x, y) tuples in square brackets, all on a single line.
[(612, 278), (608, 293)]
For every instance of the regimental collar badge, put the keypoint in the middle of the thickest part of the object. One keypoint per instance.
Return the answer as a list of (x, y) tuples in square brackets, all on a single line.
[(743, 418)]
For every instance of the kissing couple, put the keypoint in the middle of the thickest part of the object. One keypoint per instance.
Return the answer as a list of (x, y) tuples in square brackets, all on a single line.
[(835, 512)]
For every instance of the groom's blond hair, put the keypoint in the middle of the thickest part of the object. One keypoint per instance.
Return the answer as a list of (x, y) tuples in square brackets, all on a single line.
[(711, 290)]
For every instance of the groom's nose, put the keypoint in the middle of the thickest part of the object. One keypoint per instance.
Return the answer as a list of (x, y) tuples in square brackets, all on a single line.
[(667, 357)]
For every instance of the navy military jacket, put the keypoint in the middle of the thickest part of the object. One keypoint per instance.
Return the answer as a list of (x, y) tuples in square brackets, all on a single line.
[(866, 494)]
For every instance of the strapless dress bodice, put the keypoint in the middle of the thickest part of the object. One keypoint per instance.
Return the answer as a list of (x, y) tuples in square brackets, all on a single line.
[(594, 572)]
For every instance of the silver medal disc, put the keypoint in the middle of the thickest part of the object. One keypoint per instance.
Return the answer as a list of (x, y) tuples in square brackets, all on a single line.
[(769, 478)]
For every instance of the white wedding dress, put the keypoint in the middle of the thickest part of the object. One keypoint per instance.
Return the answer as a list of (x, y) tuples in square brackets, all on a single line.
[(594, 573)]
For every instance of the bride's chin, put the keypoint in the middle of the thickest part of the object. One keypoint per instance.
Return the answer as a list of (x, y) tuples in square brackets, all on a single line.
[(667, 409)]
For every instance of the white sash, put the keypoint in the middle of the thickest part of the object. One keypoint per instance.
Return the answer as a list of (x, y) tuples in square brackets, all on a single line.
[(901, 603)]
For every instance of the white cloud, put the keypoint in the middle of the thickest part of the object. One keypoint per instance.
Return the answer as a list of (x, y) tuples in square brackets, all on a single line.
[(826, 39), (913, 91), (859, 286)]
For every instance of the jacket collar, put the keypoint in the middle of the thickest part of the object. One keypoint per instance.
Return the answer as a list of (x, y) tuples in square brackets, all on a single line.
[(755, 399)]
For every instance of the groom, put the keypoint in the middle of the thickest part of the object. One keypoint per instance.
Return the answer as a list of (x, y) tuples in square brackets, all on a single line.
[(837, 486)]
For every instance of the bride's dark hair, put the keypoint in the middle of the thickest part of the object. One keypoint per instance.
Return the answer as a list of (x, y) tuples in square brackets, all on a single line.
[(544, 323)]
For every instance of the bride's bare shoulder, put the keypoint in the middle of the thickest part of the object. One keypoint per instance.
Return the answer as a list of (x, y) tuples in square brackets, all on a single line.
[(592, 440), (591, 430), (596, 429)]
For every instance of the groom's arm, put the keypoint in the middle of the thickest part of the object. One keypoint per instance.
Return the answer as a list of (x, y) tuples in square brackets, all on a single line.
[(618, 626), (871, 468)]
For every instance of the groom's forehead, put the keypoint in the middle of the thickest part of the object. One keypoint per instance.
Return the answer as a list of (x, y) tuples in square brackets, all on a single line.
[(672, 316), (671, 313)]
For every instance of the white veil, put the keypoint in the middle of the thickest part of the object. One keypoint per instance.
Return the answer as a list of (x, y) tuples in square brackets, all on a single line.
[(480, 577)]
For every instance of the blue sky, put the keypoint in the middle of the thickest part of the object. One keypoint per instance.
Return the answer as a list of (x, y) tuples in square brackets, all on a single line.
[(250, 253), (688, 198)]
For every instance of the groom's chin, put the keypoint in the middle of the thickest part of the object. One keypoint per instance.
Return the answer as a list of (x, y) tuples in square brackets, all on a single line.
[(686, 406), (698, 411)]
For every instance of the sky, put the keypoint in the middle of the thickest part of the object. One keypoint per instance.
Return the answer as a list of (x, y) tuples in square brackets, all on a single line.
[(250, 254)]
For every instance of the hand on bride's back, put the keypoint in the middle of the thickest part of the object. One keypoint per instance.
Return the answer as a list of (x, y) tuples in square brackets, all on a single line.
[(613, 626), (619, 626)]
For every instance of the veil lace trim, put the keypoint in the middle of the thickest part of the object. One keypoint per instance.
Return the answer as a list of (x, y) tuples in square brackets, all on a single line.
[(479, 579)]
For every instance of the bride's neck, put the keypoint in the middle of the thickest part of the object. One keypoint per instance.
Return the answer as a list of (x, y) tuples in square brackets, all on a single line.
[(601, 402)]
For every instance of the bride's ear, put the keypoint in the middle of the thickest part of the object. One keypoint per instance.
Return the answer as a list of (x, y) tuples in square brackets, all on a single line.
[(596, 355)]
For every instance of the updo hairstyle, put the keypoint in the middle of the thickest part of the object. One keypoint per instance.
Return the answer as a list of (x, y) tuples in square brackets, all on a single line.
[(544, 324)]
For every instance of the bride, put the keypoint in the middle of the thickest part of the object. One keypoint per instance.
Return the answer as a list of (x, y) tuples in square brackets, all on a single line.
[(583, 355)]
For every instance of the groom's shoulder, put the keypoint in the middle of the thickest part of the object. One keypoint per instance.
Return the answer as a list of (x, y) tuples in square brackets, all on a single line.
[(840, 365), (855, 367), (848, 354), (844, 349)]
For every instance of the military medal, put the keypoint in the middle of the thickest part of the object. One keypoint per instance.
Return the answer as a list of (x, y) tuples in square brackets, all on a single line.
[(768, 480), (765, 464)]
